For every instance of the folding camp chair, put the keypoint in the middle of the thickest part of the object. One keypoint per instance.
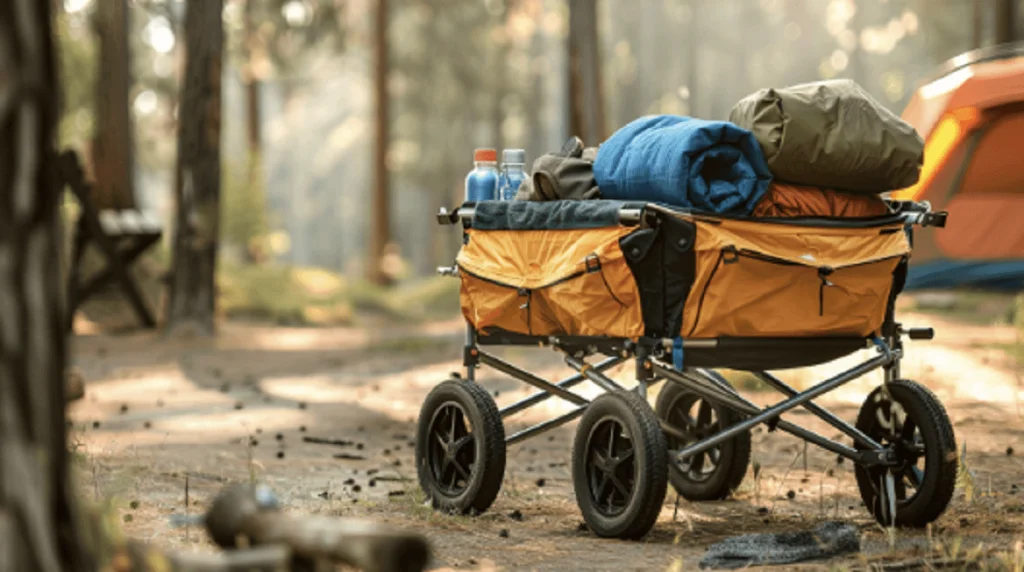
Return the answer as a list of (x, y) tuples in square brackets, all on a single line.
[(121, 236)]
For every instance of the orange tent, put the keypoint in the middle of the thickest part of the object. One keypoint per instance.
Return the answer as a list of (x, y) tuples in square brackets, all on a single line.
[(972, 118)]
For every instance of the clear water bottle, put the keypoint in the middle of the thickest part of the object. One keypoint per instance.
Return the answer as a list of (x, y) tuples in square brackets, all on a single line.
[(482, 181), (513, 173)]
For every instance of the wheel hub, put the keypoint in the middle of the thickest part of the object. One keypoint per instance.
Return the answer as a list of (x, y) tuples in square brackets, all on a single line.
[(449, 448), (698, 418), (610, 455), (450, 436)]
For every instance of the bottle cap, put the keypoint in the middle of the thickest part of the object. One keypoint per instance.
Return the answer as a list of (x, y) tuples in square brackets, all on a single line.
[(485, 155), (515, 156)]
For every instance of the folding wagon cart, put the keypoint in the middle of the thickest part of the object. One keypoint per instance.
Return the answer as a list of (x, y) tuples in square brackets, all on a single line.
[(681, 294)]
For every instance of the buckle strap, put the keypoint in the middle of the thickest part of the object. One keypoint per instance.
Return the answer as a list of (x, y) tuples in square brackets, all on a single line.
[(677, 353)]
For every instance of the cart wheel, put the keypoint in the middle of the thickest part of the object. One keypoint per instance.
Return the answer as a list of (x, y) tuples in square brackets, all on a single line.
[(460, 447), (715, 473), (619, 466), (914, 425)]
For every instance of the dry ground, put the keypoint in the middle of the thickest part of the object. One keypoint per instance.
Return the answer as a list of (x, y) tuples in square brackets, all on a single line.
[(239, 406)]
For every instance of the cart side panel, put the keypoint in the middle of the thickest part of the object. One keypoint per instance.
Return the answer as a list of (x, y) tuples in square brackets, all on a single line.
[(763, 280), (550, 282)]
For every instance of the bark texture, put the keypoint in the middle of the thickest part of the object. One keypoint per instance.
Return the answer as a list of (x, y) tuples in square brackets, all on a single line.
[(380, 221), (112, 144), (252, 82), (586, 96), (977, 24), (39, 529), (192, 296), (1006, 21)]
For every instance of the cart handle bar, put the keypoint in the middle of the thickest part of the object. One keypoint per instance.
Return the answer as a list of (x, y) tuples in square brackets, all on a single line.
[(627, 216), (912, 213)]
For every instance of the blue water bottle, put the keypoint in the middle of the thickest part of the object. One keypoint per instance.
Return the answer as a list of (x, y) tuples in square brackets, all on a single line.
[(482, 181), (513, 173)]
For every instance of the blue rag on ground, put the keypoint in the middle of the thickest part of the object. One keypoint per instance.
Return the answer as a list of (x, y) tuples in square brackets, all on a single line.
[(710, 166)]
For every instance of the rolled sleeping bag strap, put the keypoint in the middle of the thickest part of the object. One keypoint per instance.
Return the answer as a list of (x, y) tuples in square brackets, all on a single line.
[(677, 353)]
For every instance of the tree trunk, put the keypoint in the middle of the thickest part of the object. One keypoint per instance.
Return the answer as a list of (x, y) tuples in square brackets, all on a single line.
[(380, 231), (499, 71), (112, 144), (586, 99), (977, 21), (252, 82), (693, 60), (535, 101), (857, 65), (39, 527), (629, 92), (1006, 21), (254, 254), (192, 296)]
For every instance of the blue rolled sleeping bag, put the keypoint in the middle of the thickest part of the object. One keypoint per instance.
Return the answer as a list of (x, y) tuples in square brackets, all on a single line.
[(709, 166)]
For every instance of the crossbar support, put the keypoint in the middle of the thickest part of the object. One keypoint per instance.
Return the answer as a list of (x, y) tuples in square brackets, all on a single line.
[(587, 370), (791, 403), (566, 383), (545, 426), (527, 377), (825, 415), (575, 413), (733, 400)]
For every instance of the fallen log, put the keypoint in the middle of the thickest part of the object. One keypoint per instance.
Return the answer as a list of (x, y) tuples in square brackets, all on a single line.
[(137, 556), (248, 515)]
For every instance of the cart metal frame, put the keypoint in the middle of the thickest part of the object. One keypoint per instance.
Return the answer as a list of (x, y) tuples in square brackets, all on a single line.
[(652, 359), (651, 369), (688, 366)]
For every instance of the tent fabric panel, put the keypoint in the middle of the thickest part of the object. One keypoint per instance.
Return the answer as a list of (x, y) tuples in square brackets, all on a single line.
[(947, 137), (984, 226), (982, 86), (997, 162), (946, 274)]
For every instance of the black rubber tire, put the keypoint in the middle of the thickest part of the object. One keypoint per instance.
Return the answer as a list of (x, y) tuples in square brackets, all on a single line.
[(482, 453), (733, 455), (624, 414), (937, 480)]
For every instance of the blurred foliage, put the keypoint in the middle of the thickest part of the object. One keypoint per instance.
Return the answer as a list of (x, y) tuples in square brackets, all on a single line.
[(302, 296), (968, 306), (465, 74), (738, 46), (415, 300), (244, 218), (76, 52), (283, 295), (285, 31)]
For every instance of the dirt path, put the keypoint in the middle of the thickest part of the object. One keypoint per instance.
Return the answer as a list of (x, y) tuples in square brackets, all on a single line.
[(240, 406)]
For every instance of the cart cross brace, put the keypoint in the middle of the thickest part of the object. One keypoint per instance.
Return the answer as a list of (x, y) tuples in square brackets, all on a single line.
[(650, 357)]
